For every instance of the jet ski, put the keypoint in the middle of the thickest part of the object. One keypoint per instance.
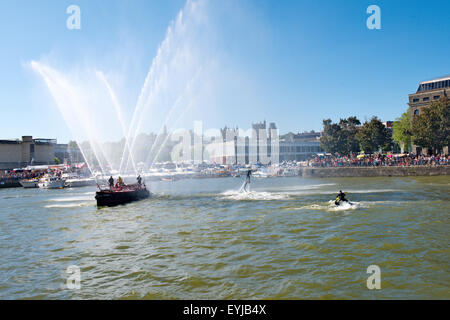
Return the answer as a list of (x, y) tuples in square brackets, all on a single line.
[(339, 202)]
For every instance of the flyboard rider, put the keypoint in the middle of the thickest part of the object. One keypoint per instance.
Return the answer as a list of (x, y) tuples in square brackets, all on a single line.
[(247, 181)]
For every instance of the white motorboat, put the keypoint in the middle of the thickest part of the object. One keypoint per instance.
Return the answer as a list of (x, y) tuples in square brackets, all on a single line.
[(260, 174), (29, 183), (51, 182)]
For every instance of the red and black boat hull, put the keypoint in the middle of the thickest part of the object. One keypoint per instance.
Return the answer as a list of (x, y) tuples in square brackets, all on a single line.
[(115, 197)]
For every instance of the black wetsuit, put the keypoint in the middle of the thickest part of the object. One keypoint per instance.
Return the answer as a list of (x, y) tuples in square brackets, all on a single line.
[(139, 180), (111, 182), (247, 179), (340, 198)]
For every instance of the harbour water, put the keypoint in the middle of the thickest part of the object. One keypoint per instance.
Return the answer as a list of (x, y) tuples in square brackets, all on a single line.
[(201, 239)]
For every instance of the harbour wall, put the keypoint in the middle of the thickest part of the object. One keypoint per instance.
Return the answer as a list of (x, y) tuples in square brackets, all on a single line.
[(376, 171)]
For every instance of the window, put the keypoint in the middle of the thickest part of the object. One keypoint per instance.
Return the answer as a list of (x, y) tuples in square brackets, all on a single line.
[(426, 99), (416, 100), (436, 97), (416, 112), (31, 152)]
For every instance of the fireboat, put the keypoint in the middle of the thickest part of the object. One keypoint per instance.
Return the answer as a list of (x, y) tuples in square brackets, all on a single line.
[(118, 195)]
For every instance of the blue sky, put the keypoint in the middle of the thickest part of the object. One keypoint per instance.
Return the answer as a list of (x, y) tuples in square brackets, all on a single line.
[(292, 62)]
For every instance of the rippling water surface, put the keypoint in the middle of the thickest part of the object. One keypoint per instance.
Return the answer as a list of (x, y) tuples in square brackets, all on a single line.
[(202, 239)]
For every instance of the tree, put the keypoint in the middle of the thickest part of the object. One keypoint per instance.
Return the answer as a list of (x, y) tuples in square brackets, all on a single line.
[(402, 131), (57, 161), (332, 139), (373, 135), (350, 127), (340, 137), (72, 144), (431, 128), (387, 146)]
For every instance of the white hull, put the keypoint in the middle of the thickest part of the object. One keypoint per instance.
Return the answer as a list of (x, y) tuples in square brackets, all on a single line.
[(59, 184), (260, 175), (29, 183)]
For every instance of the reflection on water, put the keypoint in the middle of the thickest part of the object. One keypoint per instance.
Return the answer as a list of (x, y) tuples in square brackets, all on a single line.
[(201, 239)]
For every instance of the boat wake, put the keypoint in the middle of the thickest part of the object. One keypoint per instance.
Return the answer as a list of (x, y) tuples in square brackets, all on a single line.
[(70, 205), (306, 187), (332, 207), (344, 206), (70, 202), (70, 199), (252, 195), (313, 207)]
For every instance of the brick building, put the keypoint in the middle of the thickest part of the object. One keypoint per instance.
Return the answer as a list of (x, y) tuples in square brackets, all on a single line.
[(428, 91)]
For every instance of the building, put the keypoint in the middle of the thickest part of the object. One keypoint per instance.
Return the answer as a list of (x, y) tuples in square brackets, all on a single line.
[(289, 147), (428, 91), (62, 152), (238, 147), (68, 153), (28, 151), (389, 124), (300, 146)]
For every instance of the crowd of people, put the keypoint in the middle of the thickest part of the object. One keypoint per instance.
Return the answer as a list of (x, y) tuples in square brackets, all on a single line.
[(377, 160), (31, 174), (14, 175)]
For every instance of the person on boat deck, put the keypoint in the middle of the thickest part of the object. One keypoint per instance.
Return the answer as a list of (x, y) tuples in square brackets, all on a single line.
[(119, 182), (139, 179), (111, 182)]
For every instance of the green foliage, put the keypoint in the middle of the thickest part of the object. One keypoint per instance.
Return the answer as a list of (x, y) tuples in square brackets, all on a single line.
[(57, 161), (431, 128), (350, 128), (402, 130), (340, 137), (72, 144), (373, 135)]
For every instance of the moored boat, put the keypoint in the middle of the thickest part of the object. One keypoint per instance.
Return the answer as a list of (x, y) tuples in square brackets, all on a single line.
[(51, 182), (29, 183), (121, 195)]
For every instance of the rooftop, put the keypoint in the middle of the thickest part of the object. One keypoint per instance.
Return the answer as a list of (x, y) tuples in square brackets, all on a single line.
[(436, 79), (434, 84)]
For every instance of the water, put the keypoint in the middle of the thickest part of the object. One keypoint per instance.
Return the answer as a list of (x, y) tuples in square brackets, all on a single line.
[(201, 239), (172, 93)]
